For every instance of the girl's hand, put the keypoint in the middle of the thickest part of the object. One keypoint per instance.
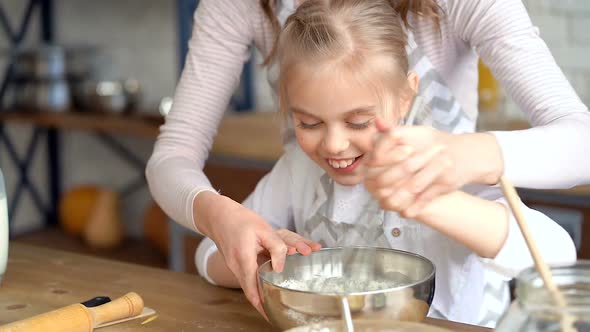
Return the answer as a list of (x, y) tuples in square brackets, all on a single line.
[(410, 166), (297, 243)]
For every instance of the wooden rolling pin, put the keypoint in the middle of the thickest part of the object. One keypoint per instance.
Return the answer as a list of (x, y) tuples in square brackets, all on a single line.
[(78, 318)]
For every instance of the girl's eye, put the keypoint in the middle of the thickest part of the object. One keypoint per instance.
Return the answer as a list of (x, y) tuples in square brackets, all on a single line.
[(304, 125), (359, 126)]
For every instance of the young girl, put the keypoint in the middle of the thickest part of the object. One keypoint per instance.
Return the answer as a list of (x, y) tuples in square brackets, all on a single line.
[(344, 83)]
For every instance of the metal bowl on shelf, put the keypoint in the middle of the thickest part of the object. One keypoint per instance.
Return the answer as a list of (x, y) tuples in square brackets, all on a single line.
[(49, 95), (109, 96), (390, 284), (41, 62)]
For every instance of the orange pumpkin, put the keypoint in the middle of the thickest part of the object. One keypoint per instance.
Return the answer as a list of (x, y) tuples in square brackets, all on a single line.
[(104, 229)]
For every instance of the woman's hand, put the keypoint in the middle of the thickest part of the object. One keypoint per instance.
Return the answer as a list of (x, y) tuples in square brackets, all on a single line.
[(410, 166), (242, 237)]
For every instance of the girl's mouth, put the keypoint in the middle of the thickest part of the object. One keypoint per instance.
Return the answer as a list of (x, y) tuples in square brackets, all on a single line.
[(344, 165)]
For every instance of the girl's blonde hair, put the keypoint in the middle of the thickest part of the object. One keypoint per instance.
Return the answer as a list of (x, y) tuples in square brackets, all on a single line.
[(426, 9), (365, 38)]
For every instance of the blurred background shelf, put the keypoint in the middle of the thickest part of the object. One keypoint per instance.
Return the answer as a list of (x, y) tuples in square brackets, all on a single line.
[(142, 125), (131, 250), (250, 136)]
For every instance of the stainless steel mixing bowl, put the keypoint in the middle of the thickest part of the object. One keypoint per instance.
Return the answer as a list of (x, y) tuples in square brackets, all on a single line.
[(409, 300)]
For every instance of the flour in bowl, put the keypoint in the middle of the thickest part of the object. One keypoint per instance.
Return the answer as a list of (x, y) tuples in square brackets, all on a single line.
[(343, 285)]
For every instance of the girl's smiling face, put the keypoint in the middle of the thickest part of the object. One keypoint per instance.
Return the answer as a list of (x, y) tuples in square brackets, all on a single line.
[(334, 120)]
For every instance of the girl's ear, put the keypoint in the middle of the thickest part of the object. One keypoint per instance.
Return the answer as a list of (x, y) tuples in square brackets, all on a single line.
[(406, 99)]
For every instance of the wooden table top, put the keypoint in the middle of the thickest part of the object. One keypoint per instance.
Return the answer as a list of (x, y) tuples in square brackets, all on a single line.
[(41, 279)]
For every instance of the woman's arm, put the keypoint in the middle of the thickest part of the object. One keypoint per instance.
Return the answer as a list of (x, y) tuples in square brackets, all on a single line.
[(553, 154), (222, 33), (221, 37)]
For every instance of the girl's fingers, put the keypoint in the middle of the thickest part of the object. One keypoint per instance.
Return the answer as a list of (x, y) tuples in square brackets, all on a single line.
[(392, 175), (291, 250), (427, 176), (390, 154), (376, 172), (386, 177), (403, 158), (419, 136), (424, 199), (303, 248), (301, 244), (313, 245), (382, 125), (399, 200), (418, 161), (382, 144)]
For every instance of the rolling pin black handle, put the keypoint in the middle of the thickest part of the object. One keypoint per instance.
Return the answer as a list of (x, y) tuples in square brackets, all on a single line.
[(95, 302)]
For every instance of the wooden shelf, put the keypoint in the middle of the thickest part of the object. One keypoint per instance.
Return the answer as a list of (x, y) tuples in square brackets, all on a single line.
[(135, 125), (248, 136), (131, 250)]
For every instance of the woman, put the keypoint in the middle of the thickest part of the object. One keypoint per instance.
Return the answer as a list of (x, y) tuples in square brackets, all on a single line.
[(448, 38)]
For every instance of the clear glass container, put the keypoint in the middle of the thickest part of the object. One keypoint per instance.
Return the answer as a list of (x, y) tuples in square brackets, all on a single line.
[(534, 308), (3, 228)]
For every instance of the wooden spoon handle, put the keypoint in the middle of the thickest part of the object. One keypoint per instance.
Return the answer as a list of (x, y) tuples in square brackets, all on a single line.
[(514, 203)]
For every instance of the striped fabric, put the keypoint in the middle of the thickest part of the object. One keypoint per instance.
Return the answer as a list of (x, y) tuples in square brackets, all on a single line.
[(499, 31)]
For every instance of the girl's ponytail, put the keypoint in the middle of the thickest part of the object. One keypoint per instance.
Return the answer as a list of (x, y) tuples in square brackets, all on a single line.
[(268, 9), (422, 8)]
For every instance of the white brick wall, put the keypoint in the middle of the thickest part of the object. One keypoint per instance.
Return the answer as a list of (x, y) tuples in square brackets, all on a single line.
[(557, 6), (571, 57), (553, 29), (583, 87), (576, 7), (565, 27), (580, 29), (580, 81)]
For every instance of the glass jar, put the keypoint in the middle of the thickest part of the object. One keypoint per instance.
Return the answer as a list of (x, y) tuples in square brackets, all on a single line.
[(3, 228), (534, 308)]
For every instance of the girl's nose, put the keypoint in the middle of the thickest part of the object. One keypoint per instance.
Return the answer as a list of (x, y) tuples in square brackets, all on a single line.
[(335, 142)]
